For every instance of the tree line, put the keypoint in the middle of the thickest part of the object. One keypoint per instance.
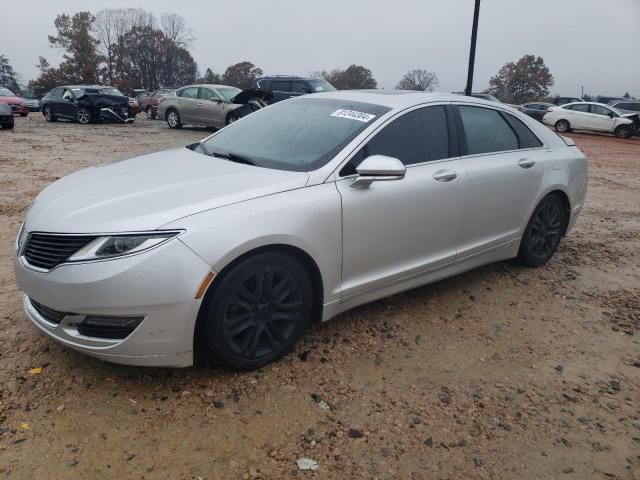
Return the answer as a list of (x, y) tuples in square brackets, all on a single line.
[(132, 48)]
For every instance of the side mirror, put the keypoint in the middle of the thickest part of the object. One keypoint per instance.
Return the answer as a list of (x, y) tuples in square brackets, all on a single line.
[(378, 168)]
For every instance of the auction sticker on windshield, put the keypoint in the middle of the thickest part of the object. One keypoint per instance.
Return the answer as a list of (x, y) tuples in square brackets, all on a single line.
[(353, 115)]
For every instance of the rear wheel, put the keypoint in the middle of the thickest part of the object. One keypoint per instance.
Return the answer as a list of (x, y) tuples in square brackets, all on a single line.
[(562, 126), (23, 114), (83, 115), (543, 233), (48, 115), (173, 119), (258, 311), (622, 131)]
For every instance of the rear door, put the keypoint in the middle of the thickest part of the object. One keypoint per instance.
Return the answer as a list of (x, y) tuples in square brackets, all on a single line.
[(187, 100), (281, 89), (578, 115), (503, 164), (396, 229)]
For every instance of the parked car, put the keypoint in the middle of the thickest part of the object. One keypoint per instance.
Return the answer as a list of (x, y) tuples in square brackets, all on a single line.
[(6, 116), (86, 104), (626, 106), (564, 100), (210, 105), (535, 110), (32, 103), (149, 103), (592, 116), (289, 86), (16, 103), (298, 212)]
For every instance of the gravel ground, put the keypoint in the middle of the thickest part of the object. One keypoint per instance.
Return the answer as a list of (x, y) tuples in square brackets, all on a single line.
[(502, 372)]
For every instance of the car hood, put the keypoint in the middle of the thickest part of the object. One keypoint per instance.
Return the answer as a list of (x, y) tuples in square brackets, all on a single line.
[(146, 192), (103, 100), (245, 95)]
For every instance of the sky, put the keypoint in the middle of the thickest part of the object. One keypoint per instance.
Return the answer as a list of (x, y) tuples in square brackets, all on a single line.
[(590, 43)]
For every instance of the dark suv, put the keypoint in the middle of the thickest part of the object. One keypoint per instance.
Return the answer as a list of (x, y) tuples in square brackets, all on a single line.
[(286, 86)]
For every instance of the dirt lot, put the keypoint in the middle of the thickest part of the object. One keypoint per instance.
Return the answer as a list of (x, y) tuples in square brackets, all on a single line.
[(502, 372)]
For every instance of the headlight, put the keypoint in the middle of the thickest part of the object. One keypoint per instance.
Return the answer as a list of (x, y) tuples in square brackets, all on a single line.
[(22, 234), (118, 245)]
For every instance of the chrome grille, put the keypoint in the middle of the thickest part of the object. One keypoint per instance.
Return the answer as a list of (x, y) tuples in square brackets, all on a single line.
[(49, 314), (45, 250)]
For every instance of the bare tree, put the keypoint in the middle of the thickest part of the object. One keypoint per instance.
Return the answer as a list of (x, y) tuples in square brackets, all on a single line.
[(175, 29), (418, 79)]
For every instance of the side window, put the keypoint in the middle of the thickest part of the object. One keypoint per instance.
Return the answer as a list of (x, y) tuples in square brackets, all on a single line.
[(57, 92), (67, 95), (208, 94), (300, 86), (281, 86), (600, 110), (189, 92), (580, 107), (486, 131), (418, 136), (526, 138)]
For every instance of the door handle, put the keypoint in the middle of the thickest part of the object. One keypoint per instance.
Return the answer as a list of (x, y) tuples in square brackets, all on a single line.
[(526, 163), (445, 175)]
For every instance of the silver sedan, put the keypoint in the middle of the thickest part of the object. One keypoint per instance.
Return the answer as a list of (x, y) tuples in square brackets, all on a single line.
[(300, 211)]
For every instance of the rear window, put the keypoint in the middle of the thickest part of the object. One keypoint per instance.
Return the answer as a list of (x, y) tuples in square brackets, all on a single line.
[(486, 131), (526, 138)]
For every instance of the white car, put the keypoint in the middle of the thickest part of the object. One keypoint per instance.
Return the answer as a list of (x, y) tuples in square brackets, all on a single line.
[(596, 117), (293, 214)]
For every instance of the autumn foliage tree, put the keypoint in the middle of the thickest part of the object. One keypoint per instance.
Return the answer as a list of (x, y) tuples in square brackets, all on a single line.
[(241, 75), (352, 78), (8, 75), (418, 79), (527, 79)]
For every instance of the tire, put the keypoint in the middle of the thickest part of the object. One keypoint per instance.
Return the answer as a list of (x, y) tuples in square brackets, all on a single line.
[(149, 112), (232, 118), (24, 114), (622, 131), (47, 114), (562, 126), (83, 116), (8, 126), (173, 119), (544, 232), (257, 311)]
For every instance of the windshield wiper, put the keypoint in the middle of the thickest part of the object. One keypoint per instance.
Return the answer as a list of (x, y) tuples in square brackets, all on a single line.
[(234, 158)]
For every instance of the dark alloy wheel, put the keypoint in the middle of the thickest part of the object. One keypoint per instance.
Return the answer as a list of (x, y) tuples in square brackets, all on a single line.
[(543, 233), (232, 118), (258, 311), (562, 126), (48, 115), (83, 115)]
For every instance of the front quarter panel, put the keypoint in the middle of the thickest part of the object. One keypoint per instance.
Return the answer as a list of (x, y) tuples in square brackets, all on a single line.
[(307, 218)]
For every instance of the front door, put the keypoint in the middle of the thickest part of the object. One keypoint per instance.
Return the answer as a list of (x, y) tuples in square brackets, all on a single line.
[(187, 104), (396, 229), (601, 118), (210, 108)]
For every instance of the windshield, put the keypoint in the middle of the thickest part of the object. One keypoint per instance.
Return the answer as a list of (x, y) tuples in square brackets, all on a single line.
[(112, 91), (321, 86), (228, 93), (300, 135), (5, 92)]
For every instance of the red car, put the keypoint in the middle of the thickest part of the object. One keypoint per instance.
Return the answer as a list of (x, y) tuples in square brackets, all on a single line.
[(149, 103), (16, 103)]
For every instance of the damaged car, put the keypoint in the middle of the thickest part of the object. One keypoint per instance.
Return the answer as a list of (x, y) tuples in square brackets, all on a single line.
[(210, 105), (591, 116), (87, 104)]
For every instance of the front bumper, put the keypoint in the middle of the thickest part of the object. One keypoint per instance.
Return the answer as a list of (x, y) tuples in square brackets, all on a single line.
[(159, 285)]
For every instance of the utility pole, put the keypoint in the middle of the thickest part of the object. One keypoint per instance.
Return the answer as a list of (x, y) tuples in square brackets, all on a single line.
[(472, 51)]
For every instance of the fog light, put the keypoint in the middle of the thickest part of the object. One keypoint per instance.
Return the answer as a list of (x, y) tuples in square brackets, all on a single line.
[(108, 327)]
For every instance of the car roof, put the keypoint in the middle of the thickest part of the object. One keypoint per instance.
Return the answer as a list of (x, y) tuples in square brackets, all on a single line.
[(398, 98), (212, 85)]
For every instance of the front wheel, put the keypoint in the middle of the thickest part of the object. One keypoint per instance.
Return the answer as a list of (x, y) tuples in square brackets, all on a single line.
[(562, 126), (173, 119), (543, 233), (257, 312), (622, 131), (232, 118), (83, 116)]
